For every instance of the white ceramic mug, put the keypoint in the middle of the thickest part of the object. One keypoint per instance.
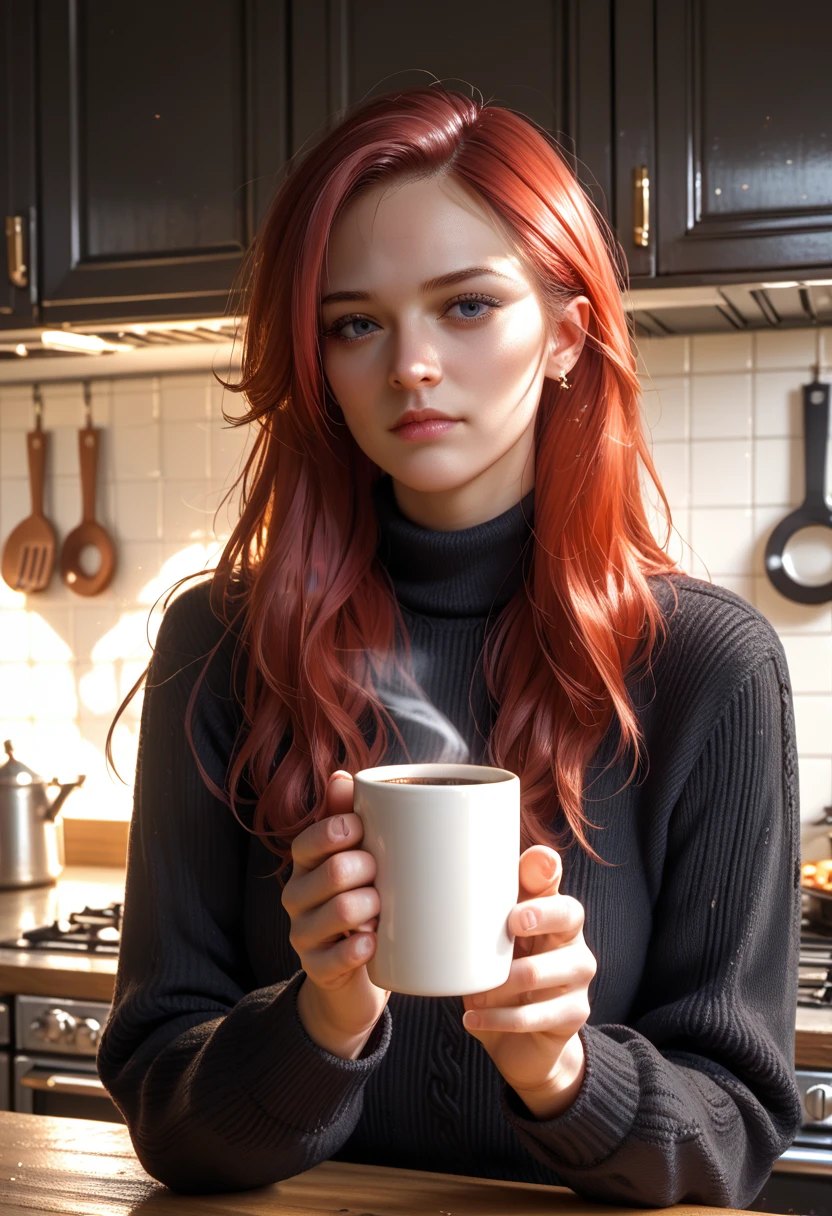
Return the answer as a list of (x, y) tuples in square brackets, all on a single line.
[(447, 859)]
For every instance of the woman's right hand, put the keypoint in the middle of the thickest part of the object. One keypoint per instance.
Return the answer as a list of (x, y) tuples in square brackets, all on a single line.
[(333, 908)]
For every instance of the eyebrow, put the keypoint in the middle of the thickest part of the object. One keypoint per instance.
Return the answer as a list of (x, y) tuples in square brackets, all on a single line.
[(442, 280)]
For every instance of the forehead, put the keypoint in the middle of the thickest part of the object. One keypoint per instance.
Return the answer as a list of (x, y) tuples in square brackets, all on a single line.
[(394, 231)]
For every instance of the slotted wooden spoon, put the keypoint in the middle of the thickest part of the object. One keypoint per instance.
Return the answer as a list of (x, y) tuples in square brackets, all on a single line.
[(29, 552), (89, 533)]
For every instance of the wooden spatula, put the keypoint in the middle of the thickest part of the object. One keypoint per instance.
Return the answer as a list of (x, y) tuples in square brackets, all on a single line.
[(29, 552), (89, 532)]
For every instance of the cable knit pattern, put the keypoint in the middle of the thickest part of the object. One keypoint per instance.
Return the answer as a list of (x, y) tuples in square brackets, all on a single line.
[(689, 1093)]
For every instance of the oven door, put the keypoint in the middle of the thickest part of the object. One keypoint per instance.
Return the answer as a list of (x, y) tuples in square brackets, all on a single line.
[(55, 1085)]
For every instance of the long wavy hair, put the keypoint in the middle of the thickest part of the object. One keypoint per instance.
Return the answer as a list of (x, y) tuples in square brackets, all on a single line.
[(299, 581)]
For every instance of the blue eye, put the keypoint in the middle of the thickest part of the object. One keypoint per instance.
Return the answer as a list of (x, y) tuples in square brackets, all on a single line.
[(357, 320)]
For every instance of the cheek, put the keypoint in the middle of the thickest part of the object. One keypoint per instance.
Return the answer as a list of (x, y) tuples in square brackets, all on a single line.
[(505, 374), (350, 381)]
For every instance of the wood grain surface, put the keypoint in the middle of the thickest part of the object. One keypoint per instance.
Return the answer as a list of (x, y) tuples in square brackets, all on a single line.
[(78, 1167)]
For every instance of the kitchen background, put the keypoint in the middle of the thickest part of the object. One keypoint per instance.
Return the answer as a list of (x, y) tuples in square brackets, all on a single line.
[(700, 131), (725, 415)]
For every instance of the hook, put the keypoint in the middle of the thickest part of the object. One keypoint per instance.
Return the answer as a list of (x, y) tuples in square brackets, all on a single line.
[(37, 398), (87, 403)]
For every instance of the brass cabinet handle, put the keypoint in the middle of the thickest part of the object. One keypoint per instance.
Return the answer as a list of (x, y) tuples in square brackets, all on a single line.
[(18, 270), (641, 207)]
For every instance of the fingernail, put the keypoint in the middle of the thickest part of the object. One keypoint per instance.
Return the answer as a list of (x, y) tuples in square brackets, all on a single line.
[(344, 829), (528, 919), (479, 1000), (472, 1020)]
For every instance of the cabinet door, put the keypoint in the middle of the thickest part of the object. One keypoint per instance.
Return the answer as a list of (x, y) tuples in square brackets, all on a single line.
[(744, 135), (162, 125), (550, 59), (18, 280)]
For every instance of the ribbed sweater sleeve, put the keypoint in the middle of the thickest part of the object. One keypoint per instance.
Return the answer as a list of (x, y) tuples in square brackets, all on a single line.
[(695, 1099), (219, 1084)]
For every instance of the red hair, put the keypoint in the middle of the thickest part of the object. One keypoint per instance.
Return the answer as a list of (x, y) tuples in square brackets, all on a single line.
[(314, 607)]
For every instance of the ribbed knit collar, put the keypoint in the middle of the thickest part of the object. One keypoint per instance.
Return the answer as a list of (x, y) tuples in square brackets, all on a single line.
[(470, 572)]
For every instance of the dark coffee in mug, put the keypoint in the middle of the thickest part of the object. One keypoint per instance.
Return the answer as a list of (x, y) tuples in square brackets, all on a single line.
[(429, 781)]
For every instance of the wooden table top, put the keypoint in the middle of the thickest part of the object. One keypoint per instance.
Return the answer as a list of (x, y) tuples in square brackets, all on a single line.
[(80, 1167)]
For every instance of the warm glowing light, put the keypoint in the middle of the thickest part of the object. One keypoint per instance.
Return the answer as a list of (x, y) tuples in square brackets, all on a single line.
[(60, 339), (20, 349)]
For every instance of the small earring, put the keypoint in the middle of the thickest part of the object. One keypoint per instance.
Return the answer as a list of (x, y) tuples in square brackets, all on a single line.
[(564, 383)]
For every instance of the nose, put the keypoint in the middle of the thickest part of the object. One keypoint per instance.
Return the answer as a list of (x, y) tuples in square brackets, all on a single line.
[(414, 369)]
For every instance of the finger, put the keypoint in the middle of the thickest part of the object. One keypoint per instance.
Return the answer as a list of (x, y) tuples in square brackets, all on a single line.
[(334, 919), (560, 1016), (346, 870), (340, 828), (328, 966), (541, 870), (558, 915), (567, 967)]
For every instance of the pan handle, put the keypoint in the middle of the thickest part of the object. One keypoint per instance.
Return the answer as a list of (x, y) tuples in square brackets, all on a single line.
[(814, 509), (816, 432)]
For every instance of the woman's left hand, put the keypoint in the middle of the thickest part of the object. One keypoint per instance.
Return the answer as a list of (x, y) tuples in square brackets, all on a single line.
[(529, 1025)]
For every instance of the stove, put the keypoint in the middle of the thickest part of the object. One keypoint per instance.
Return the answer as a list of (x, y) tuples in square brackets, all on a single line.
[(814, 985), (93, 931)]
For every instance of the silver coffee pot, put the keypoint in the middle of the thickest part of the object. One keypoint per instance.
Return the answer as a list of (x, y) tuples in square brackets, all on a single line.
[(31, 836)]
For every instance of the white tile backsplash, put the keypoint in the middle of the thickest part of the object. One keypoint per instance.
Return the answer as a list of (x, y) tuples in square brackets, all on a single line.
[(721, 473), (721, 352), (733, 438), (721, 406), (813, 722), (722, 539), (793, 348), (66, 661), (778, 404), (666, 408), (810, 662), (778, 472)]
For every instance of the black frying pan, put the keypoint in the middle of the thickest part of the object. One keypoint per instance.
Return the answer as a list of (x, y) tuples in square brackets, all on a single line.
[(814, 508)]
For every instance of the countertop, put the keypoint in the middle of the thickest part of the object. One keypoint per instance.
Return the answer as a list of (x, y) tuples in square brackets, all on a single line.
[(91, 978), (86, 1168), (85, 977)]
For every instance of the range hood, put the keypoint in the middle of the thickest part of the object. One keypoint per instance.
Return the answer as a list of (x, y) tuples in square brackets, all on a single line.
[(725, 308)]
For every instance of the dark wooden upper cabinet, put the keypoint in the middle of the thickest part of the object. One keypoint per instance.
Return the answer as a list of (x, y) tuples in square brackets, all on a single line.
[(161, 128), (140, 144), (18, 286), (550, 59), (743, 135)]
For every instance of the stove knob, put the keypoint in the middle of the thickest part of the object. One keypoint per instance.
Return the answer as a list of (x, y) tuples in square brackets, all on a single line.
[(88, 1032), (818, 1102), (54, 1026)]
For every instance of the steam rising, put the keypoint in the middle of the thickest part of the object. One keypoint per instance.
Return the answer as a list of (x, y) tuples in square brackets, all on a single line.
[(430, 737)]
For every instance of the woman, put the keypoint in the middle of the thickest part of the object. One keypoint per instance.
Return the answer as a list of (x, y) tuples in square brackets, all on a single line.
[(489, 592)]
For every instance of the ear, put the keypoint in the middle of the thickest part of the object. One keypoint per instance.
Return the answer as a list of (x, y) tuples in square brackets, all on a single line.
[(567, 343)]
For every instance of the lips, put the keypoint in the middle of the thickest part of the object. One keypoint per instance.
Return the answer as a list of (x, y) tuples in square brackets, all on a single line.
[(422, 416)]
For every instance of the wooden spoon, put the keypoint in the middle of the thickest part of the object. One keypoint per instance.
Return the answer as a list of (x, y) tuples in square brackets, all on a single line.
[(89, 531), (29, 552)]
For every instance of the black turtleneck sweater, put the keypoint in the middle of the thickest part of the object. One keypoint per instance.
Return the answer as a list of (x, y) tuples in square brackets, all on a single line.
[(689, 1092)]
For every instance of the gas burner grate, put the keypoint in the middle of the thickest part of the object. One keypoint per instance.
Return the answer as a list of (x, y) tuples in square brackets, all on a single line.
[(815, 967), (93, 931)]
